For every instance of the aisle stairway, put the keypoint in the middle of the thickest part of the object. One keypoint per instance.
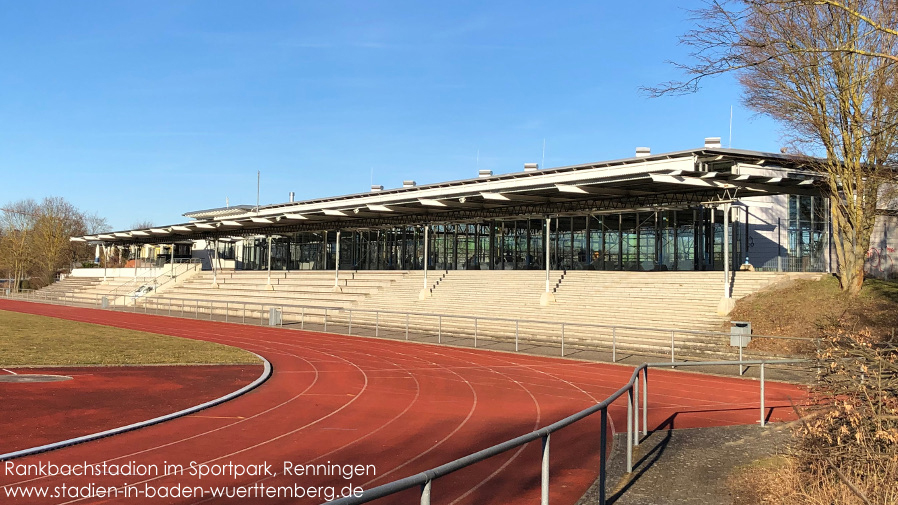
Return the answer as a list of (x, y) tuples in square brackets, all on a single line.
[(306, 287), (68, 287), (119, 291), (643, 307), (633, 311)]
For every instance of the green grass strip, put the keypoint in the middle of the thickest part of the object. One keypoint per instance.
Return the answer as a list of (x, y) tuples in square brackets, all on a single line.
[(30, 340)]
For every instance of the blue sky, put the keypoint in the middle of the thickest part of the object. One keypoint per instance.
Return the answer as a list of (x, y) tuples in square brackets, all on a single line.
[(141, 111)]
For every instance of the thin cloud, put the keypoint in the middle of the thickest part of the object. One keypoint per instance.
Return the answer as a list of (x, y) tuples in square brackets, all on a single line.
[(530, 124)]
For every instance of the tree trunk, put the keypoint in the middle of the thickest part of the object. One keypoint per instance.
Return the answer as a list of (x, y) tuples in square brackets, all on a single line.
[(851, 278), (851, 264)]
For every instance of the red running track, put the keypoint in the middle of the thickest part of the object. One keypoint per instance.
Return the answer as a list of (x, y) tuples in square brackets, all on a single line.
[(100, 398), (398, 406)]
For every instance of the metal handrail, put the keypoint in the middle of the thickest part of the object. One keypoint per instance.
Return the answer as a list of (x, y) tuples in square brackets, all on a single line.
[(425, 479), (188, 260), (174, 274), (133, 286), (632, 388), (485, 318), (657, 335)]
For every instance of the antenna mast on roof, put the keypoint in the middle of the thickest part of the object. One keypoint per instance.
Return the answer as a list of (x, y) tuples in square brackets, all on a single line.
[(731, 127), (543, 162)]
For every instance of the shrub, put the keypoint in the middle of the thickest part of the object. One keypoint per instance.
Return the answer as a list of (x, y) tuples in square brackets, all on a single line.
[(848, 446)]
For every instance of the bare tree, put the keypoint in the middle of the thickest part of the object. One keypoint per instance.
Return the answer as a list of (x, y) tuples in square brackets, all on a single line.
[(94, 224), (826, 70), (55, 222), (16, 226), (142, 225), (34, 238)]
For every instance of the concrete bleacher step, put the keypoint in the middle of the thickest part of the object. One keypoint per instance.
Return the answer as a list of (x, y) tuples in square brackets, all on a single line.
[(653, 301), (685, 345), (313, 288), (666, 299), (67, 287)]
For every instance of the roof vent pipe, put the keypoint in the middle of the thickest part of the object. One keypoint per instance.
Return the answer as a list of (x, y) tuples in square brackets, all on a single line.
[(531, 167), (376, 187), (712, 142), (408, 184), (642, 152), (292, 196), (485, 173)]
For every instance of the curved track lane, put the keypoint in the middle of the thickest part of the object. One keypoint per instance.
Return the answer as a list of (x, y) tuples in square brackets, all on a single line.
[(400, 407), (101, 398)]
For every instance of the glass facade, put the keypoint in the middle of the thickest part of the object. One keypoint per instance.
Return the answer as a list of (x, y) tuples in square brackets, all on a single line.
[(684, 239), (808, 234)]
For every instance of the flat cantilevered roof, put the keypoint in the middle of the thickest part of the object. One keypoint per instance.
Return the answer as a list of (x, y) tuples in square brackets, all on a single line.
[(678, 179)]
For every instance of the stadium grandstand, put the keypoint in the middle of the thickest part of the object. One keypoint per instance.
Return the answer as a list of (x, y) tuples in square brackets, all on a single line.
[(656, 240)]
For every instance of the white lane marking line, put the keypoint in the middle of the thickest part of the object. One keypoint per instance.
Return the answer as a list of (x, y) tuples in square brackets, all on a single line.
[(10, 371)]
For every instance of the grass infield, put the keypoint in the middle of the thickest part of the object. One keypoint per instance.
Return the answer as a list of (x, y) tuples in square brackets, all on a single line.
[(29, 340)]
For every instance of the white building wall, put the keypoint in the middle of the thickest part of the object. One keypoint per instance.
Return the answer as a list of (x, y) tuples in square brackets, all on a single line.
[(768, 221), (882, 257), (203, 251)]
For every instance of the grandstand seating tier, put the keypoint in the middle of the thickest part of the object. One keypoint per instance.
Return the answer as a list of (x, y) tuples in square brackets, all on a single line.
[(683, 301)]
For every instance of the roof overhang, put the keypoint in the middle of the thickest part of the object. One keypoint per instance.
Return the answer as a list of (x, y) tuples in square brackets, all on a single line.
[(672, 180)]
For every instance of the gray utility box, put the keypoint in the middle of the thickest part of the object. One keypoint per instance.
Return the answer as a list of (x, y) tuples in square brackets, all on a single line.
[(104, 303), (740, 333), (275, 315)]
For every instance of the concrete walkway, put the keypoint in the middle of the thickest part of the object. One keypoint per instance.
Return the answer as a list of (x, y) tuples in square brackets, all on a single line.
[(687, 466)]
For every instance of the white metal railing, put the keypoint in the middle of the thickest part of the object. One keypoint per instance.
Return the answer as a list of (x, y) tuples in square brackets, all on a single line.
[(189, 260), (445, 328), (169, 274), (635, 434)]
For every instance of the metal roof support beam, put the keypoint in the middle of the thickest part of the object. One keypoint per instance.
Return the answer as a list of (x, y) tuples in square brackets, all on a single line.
[(458, 203), (797, 189), (336, 263), (425, 292), (511, 197), (583, 189), (523, 210), (726, 303), (687, 181), (547, 297), (214, 259), (689, 195), (268, 285)]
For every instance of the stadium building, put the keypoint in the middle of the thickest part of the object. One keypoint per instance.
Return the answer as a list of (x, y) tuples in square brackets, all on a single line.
[(649, 212), (710, 208)]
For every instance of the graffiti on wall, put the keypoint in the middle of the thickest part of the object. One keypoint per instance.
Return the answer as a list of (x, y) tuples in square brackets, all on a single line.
[(882, 263)]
